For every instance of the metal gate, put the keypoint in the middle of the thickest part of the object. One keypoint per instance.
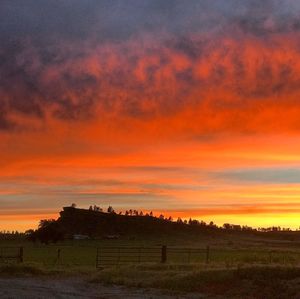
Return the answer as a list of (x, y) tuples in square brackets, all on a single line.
[(113, 256), (11, 254)]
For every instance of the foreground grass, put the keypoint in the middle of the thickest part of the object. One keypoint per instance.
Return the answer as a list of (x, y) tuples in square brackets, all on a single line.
[(21, 270), (228, 250), (37, 270), (248, 282), (211, 282)]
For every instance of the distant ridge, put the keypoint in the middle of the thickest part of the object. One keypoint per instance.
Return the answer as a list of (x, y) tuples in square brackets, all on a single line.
[(98, 224), (78, 223), (95, 223)]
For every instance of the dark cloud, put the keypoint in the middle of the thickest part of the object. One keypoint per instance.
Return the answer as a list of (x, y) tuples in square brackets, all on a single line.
[(44, 46), (5, 124), (117, 19)]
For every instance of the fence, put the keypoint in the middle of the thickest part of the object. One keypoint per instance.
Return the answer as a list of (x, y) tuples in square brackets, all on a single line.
[(188, 255), (112, 256), (119, 255), (11, 254)]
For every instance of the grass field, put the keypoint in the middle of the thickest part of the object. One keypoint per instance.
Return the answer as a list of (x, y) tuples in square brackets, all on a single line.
[(222, 252), (237, 268)]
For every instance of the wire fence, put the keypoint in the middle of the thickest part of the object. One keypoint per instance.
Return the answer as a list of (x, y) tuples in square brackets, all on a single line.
[(105, 256), (11, 254), (114, 256), (110, 256)]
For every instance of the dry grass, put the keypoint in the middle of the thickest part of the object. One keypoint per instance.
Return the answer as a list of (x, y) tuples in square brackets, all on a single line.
[(276, 282), (248, 282), (236, 270)]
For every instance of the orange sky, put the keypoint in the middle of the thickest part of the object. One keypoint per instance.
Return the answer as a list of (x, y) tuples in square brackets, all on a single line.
[(203, 124)]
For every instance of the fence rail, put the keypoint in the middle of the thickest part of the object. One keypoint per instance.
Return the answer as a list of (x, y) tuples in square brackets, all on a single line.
[(11, 254), (188, 255), (113, 256), (107, 256), (110, 256), (124, 255)]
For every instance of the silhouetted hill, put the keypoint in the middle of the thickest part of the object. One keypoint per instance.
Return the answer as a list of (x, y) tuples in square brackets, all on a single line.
[(97, 224)]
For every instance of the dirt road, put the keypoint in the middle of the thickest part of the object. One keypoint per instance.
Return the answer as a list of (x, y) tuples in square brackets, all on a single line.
[(67, 288)]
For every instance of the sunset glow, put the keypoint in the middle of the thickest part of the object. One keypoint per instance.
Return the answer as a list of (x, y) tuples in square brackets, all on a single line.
[(191, 110)]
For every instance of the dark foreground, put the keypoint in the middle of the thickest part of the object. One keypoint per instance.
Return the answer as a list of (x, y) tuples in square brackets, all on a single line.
[(152, 281), (67, 288)]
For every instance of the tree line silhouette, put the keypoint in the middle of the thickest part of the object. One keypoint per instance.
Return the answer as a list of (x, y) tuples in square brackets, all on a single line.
[(95, 222)]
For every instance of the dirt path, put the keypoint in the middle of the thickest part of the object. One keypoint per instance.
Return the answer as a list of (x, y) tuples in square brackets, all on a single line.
[(37, 288)]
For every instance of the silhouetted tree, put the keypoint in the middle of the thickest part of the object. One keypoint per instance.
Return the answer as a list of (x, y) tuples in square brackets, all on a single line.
[(49, 231), (110, 209), (226, 226), (45, 222)]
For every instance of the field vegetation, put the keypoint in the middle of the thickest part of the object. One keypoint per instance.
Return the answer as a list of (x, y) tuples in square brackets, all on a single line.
[(240, 264), (226, 251)]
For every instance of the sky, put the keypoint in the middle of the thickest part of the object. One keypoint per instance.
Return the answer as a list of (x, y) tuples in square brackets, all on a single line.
[(186, 108)]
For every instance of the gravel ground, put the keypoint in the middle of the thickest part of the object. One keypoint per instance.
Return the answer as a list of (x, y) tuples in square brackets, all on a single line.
[(37, 288)]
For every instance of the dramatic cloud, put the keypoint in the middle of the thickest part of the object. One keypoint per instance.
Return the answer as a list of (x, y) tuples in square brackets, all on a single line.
[(174, 100), (216, 82), (143, 57)]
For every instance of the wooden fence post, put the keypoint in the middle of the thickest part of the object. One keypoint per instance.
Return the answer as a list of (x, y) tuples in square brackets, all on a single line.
[(207, 255), (21, 255), (58, 260), (139, 257), (119, 253), (164, 254), (189, 255), (97, 258)]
